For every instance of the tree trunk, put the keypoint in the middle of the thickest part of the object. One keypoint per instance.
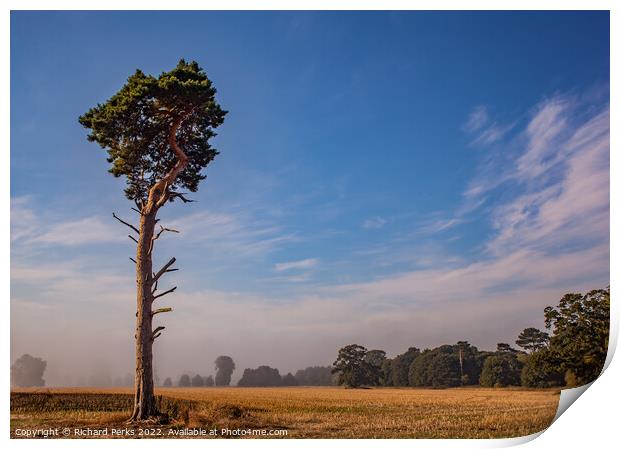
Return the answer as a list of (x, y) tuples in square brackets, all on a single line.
[(145, 407), (144, 400)]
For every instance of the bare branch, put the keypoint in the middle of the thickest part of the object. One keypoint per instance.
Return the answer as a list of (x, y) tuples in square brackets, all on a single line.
[(133, 260), (181, 196), (157, 332), (164, 293), (132, 238), (171, 269), (162, 230), (140, 212), (162, 310), (154, 286), (126, 224), (164, 269), (158, 233)]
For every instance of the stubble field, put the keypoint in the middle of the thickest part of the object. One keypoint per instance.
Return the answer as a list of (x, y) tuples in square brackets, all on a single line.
[(292, 412)]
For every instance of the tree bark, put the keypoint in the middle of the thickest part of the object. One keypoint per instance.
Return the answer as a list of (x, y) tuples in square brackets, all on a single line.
[(145, 408), (144, 399)]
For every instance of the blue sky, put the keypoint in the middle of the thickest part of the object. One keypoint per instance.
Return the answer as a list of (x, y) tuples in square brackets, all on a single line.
[(388, 178)]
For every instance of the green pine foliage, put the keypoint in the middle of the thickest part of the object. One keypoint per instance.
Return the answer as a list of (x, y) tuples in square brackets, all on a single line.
[(134, 125)]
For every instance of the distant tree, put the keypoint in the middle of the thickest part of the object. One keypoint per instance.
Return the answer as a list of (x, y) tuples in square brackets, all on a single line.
[(541, 371), (156, 131), (580, 325), (446, 366), (352, 368), (209, 381), (501, 369), (185, 381), (401, 365), (289, 380), (375, 359), (532, 339), (315, 375), (168, 382), (263, 376), (505, 347), (477, 365), (462, 347), (224, 366), (387, 373), (439, 367), (470, 362), (198, 381), (27, 371)]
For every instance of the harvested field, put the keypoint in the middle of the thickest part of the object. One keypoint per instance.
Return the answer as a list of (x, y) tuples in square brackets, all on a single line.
[(292, 412)]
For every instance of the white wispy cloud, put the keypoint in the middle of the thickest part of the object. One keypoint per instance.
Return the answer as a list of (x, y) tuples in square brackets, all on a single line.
[(61, 283), (374, 223), (493, 133), (89, 230), (24, 221), (478, 117), (29, 228), (437, 225), (485, 130), (547, 126), (296, 265), (565, 198), (231, 232)]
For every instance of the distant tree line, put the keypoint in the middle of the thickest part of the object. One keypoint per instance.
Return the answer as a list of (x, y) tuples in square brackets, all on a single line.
[(315, 376), (265, 376), (224, 367), (195, 381), (574, 354)]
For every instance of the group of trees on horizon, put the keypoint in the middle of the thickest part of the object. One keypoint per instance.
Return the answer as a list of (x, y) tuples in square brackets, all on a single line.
[(574, 354), (195, 381), (266, 376), (224, 367)]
